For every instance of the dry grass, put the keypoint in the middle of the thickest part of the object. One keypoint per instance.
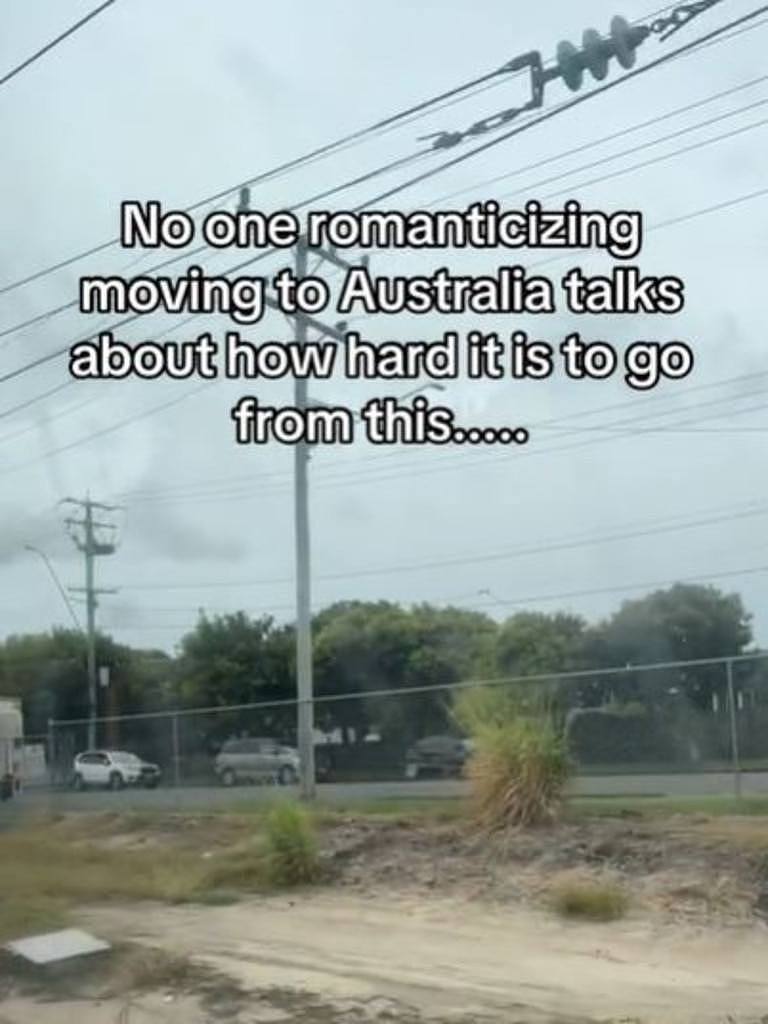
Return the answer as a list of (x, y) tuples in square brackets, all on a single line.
[(47, 870), (589, 900)]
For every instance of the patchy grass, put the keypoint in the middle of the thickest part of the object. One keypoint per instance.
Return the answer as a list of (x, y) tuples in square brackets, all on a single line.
[(589, 901), (50, 867), (46, 870), (30, 916), (440, 810), (665, 807)]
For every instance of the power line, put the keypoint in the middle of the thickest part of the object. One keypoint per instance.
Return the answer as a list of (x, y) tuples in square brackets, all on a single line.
[(683, 218), (318, 197), (570, 105), (113, 427), (55, 42), (36, 398), (663, 157), (71, 382), (467, 560), (559, 156), (586, 146), (634, 128), (517, 602), (626, 587), (375, 476), (449, 465), (361, 179), (343, 474), (129, 319), (438, 102)]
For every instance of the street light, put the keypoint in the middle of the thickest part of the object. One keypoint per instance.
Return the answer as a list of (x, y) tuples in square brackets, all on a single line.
[(73, 615), (59, 587)]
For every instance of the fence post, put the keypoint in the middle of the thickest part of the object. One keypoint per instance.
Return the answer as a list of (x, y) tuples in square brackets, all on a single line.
[(735, 759), (51, 756), (176, 758)]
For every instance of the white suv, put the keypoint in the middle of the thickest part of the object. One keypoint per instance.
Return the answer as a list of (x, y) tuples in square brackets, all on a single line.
[(113, 769)]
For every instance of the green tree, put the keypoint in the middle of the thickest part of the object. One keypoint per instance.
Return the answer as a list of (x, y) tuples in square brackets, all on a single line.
[(48, 671), (682, 623), (367, 647), (234, 660), (533, 643)]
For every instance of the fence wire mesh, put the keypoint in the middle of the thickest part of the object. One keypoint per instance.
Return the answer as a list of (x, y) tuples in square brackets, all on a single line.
[(706, 719)]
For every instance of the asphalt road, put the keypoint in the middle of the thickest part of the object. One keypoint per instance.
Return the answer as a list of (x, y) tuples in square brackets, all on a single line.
[(201, 798)]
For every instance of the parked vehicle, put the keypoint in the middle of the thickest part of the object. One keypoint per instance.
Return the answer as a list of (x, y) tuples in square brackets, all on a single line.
[(11, 730), (113, 769), (256, 760), (441, 756)]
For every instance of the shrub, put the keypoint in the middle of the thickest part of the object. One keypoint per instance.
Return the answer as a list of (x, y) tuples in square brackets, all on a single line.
[(519, 764), (291, 847), (590, 901)]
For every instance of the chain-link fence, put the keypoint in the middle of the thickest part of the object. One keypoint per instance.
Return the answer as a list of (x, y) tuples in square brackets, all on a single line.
[(669, 722)]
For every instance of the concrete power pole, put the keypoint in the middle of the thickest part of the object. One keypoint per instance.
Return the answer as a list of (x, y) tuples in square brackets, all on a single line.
[(84, 533), (304, 681)]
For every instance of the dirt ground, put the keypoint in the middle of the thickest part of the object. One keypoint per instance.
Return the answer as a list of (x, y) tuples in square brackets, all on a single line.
[(448, 960), (420, 921), (683, 869)]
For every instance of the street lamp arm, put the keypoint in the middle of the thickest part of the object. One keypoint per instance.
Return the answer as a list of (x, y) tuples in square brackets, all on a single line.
[(59, 587)]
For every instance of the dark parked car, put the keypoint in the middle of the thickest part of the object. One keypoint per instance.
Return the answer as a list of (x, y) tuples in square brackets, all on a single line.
[(437, 756)]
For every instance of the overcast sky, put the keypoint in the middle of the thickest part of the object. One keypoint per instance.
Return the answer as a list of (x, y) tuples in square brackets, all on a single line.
[(177, 101)]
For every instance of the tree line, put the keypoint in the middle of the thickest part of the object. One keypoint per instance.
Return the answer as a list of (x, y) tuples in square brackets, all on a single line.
[(362, 648)]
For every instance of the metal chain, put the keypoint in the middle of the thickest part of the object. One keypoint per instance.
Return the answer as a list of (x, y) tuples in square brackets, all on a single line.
[(540, 75), (680, 17)]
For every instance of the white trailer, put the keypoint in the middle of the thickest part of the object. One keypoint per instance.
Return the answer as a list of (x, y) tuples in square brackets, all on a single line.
[(11, 735)]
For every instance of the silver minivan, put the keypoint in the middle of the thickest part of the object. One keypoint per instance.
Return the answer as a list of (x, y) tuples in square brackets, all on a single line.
[(256, 760)]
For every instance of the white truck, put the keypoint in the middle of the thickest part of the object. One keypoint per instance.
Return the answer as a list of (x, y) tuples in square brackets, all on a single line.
[(11, 735)]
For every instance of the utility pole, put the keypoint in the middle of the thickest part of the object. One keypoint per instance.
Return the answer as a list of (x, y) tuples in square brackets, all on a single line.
[(84, 534), (304, 682)]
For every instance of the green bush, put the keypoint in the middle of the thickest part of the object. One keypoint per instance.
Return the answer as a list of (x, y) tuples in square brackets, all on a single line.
[(291, 846)]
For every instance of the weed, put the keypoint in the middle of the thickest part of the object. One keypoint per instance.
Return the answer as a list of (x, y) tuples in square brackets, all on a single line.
[(291, 846), (590, 901)]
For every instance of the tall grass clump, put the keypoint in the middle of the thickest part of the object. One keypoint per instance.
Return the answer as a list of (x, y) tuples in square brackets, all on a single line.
[(291, 846), (519, 764)]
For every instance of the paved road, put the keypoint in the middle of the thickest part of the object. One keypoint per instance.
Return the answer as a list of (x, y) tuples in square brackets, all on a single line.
[(201, 798)]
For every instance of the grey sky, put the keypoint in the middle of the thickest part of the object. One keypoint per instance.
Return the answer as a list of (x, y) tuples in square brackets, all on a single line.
[(176, 101)]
